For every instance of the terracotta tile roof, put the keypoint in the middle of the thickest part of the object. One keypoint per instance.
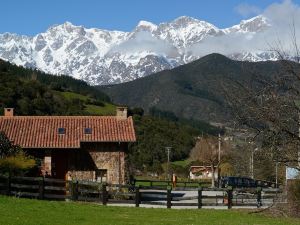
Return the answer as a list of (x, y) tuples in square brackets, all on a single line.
[(42, 131)]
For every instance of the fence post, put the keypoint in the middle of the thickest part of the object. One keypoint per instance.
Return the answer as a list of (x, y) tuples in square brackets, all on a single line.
[(75, 191), (104, 194), (137, 196), (41, 188), (229, 196), (259, 203), (200, 197), (169, 197), (8, 185)]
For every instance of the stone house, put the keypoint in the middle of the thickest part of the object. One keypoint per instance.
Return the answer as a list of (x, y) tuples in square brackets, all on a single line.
[(74, 147)]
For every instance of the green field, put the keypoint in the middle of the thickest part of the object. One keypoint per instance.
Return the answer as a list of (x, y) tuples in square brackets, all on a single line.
[(24, 212), (72, 95), (106, 110), (182, 163)]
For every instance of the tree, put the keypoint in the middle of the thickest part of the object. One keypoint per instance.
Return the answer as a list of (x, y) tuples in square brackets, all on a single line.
[(269, 107), (206, 152), (153, 135), (6, 147), (226, 169), (12, 158)]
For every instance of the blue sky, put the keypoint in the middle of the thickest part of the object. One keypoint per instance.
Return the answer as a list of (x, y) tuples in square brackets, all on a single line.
[(33, 16)]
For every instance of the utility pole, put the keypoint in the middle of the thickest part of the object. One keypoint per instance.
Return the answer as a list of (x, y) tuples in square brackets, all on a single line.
[(219, 145), (276, 172), (219, 159), (168, 164), (252, 162), (299, 137)]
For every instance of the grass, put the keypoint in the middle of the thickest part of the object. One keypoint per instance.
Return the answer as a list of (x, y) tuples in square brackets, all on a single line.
[(71, 95), (15, 211), (183, 163), (106, 110)]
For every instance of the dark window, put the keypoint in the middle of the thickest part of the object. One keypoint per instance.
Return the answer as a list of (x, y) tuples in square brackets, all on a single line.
[(61, 130), (101, 175), (88, 130)]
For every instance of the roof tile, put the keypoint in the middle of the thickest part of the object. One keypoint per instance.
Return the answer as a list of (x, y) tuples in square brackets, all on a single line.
[(42, 131)]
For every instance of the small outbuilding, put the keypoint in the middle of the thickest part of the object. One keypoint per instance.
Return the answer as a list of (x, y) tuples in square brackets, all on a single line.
[(202, 172)]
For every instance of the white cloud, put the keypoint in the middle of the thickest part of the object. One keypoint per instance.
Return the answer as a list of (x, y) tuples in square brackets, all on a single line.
[(245, 9), (144, 41), (281, 17)]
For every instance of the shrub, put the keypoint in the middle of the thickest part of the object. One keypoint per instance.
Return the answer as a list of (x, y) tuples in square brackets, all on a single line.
[(16, 164), (294, 198), (12, 158)]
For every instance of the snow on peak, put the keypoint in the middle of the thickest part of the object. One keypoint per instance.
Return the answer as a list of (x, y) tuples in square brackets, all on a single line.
[(105, 57), (185, 19), (255, 24), (146, 24)]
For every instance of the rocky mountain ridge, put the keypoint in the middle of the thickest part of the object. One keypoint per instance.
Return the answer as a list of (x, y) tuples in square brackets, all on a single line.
[(103, 57)]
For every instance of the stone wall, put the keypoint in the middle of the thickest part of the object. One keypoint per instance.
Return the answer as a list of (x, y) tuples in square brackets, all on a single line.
[(105, 156), (84, 163)]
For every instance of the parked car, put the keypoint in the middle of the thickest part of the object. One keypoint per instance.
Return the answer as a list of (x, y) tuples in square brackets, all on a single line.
[(237, 182)]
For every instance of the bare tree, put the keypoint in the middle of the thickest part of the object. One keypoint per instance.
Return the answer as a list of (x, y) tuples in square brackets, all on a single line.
[(206, 152), (270, 107)]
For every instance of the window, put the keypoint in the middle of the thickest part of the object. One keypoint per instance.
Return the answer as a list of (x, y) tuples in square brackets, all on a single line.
[(61, 130), (101, 175), (88, 130)]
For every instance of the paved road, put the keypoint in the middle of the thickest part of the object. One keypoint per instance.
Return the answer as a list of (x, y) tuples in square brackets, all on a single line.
[(159, 197)]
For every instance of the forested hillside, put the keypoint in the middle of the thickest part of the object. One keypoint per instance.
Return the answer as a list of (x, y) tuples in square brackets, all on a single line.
[(155, 134), (194, 90), (31, 92)]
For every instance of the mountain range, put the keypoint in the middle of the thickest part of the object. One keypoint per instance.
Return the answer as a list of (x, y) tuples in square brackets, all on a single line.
[(197, 90), (103, 57)]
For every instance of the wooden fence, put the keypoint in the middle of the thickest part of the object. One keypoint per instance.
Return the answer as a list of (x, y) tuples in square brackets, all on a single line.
[(166, 183), (183, 195)]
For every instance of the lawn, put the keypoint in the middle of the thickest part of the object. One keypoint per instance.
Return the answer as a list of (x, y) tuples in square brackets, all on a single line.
[(24, 212)]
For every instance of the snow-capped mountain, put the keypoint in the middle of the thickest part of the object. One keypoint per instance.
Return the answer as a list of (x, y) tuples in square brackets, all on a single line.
[(106, 57)]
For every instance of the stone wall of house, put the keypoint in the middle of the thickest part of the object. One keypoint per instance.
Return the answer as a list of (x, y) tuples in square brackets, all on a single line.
[(108, 157), (81, 175), (85, 163)]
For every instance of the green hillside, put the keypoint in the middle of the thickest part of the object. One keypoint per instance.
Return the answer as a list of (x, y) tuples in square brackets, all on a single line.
[(193, 90), (91, 106), (32, 92)]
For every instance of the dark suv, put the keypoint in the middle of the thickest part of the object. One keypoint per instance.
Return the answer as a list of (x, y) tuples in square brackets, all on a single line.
[(237, 182)]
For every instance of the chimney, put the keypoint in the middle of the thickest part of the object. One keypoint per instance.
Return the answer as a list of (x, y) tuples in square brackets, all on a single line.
[(8, 112), (122, 113)]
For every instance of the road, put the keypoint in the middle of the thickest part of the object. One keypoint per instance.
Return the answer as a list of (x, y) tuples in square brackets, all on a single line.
[(157, 199)]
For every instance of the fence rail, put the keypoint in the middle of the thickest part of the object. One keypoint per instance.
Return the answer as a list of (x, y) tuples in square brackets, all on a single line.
[(54, 189)]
